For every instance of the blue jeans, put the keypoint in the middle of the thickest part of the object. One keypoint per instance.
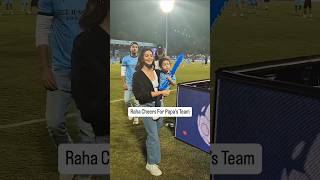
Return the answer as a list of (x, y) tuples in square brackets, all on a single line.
[(153, 140), (129, 99), (57, 106)]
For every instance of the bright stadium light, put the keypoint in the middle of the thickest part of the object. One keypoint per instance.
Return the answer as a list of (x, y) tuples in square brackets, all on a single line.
[(166, 5)]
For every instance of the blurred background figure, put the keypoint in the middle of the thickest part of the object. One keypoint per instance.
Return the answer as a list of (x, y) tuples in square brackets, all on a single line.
[(25, 6)]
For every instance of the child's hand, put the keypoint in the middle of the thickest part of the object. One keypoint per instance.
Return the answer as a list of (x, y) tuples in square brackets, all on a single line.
[(172, 83)]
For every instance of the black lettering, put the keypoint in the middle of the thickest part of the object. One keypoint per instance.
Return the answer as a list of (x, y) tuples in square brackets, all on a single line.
[(248, 159), (77, 159), (214, 159), (69, 156), (231, 159), (225, 156), (94, 160), (85, 158), (105, 157)]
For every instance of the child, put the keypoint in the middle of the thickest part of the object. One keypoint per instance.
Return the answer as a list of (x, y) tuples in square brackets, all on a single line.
[(165, 65)]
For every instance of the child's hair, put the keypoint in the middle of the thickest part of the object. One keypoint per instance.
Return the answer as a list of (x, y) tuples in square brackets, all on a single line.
[(166, 58)]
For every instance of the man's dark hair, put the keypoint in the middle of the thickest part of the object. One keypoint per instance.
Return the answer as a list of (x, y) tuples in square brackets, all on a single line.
[(160, 52), (133, 42)]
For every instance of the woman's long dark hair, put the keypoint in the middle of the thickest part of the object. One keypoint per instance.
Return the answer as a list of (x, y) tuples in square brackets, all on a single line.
[(94, 13), (140, 62)]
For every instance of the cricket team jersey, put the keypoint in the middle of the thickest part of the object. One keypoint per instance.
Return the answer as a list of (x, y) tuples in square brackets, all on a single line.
[(65, 27), (130, 63), (163, 79)]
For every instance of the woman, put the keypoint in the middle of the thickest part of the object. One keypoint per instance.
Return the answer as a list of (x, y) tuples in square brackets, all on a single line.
[(145, 89), (90, 66)]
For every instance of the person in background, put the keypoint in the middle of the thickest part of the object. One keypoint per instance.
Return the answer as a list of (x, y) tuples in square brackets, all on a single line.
[(160, 53), (34, 6), (25, 6), (9, 6), (128, 65), (307, 4), (298, 7), (90, 82), (90, 69), (56, 78), (266, 2)]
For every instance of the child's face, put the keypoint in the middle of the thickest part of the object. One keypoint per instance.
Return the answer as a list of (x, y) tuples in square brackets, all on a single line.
[(165, 66)]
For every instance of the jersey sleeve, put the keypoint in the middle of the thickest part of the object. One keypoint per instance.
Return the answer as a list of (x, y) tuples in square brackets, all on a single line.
[(124, 61), (45, 7)]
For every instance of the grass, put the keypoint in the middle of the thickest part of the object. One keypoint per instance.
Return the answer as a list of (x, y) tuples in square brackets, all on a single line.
[(179, 161), (264, 36), (26, 151)]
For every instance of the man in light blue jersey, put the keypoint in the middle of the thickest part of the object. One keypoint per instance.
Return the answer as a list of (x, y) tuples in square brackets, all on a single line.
[(128, 65), (58, 20)]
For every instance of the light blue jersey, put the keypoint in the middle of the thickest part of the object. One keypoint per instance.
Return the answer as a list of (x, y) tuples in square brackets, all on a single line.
[(65, 27), (130, 63), (163, 77)]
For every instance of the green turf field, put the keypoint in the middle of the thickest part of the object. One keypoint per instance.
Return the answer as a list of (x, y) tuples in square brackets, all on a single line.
[(266, 35), (26, 150)]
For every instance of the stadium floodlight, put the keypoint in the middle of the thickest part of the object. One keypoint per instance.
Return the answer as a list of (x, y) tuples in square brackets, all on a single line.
[(166, 6)]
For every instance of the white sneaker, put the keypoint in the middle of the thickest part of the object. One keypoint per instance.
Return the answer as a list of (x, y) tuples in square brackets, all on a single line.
[(155, 118), (153, 169), (310, 15), (130, 118), (135, 121)]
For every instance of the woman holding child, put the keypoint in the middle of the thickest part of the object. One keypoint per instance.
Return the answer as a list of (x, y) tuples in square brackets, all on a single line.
[(146, 81)]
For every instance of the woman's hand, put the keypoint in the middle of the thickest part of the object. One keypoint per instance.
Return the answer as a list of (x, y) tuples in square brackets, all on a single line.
[(158, 93), (165, 92)]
